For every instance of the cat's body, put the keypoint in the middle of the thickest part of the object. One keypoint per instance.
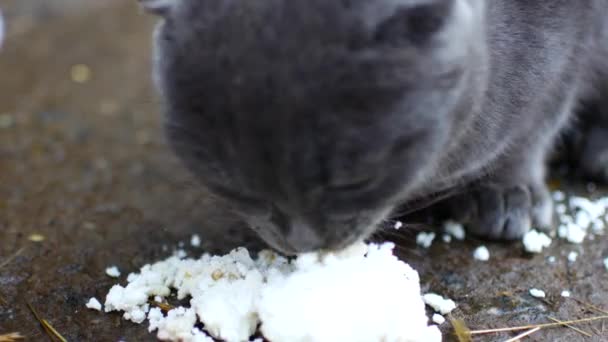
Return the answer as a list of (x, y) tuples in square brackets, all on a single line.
[(318, 118)]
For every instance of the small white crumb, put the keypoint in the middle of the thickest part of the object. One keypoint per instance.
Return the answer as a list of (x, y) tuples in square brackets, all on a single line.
[(195, 241), (425, 240), (559, 196), (561, 208), (566, 293), (437, 318), (582, 219), (535, 241), (113, 272), (572, 232), (94, 304), (158, 299), (398, 225), (481, 253), (551, 259), (598, 226), (180, 254), (447, 238), (606, 263), (441, 305), (537, 293), (455, 229), (572, 256), (258, 340)]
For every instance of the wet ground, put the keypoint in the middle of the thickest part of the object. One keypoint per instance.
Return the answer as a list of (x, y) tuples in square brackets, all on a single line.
[(83, 164)]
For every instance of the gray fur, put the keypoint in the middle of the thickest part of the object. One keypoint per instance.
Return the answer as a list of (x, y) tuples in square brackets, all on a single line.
[(317, 118)]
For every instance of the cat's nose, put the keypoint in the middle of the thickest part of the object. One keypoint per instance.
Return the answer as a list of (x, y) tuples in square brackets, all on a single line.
[(303, 237)]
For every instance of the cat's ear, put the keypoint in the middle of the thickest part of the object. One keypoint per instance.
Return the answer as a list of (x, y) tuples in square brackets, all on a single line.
[(158, 7)]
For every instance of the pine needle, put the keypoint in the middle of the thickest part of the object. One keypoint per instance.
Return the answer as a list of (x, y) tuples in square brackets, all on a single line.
[(532, 326), (48, 328), (520, 336), (12, 337), (571, 327)]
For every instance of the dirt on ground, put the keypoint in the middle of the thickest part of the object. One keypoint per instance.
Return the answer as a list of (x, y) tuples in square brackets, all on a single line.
[(87, 181)]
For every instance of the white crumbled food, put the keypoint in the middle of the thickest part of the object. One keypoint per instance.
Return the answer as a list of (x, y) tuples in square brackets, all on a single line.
[(195, 241), (551, 259), (535, 241), (113, 272), (559, 196), (572, 256), (537, 293), (398, 225), (447, 238), (294, 301), (481, 253), (425, 240), (441, 305), (565, 293), (606, 263), (572, 232), (438, 319), (94, 304), (455, 229), (561, 208)]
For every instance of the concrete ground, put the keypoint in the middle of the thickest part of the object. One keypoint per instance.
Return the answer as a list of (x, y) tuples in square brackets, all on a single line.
[(83, 163)]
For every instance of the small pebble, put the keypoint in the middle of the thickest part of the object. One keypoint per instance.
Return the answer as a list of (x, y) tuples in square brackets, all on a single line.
[(113, 272), (537, 293), (481, 253), (36, 237), (80, 73), (437, 318), (425, 240), (195, 241), (572, 256), (6, 121), (566, 293), (94, 304)]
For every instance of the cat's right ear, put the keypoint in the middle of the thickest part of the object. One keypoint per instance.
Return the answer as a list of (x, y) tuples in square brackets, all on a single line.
[(158, 7)]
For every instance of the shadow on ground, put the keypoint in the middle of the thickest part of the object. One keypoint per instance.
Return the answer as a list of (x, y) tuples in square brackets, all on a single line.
[(84, 164)]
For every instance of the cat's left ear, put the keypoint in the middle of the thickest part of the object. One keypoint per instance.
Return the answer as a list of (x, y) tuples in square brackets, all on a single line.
[(158, 7)]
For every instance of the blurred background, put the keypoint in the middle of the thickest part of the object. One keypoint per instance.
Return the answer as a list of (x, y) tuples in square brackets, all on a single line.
[(87, 181)]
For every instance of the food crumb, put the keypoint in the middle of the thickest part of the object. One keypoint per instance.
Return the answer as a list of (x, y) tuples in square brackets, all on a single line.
[(535, 241), (438, 303), (425, 240), (437, 318), (195, 241), (537, 293), (559, 196), (447, 238), (113, 272), (94, 304), (572, 256), (481, 253), (398, 225), (566, 293), (454, 229)]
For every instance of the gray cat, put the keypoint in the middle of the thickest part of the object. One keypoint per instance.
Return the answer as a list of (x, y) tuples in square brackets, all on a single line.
[(316, 119)]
